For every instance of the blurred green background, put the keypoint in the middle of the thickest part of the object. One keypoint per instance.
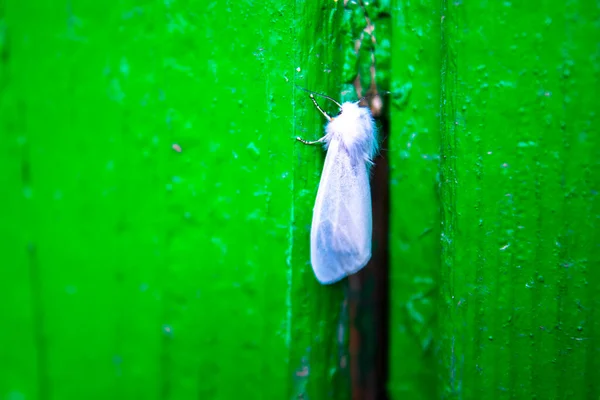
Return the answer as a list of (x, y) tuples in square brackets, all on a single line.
[(155, 210)]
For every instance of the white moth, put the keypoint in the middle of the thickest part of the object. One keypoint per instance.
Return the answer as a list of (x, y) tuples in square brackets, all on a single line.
[(340, 237)]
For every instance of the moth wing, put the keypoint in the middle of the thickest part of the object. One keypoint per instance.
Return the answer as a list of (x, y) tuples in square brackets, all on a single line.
[(342, 221)]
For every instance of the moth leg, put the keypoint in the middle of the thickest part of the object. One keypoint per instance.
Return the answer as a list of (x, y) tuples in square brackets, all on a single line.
[(320, 109), (312, 97), (375, 103), (310, 142), (372, 95)]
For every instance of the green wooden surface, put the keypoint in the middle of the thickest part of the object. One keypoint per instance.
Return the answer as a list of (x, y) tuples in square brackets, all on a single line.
[(415, 216), (520, 164), (133, 270), (512, 84)]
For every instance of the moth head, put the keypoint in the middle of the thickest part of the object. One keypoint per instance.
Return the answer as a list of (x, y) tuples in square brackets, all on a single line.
[(349, 108)]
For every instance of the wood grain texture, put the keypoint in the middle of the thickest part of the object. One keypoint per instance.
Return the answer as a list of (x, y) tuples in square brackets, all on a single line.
[(415, 207), (505, 88), (519, 178), (156, 208)]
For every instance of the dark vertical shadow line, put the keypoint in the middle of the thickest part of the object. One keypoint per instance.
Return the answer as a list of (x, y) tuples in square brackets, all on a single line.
[(35, 279), (381, 193), (369, 294), (38, 323)]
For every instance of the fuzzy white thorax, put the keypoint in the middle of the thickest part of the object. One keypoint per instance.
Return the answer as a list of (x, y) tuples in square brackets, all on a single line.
[(355, 128)]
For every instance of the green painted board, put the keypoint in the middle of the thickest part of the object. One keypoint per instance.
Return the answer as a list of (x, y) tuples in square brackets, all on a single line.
[(414, 197), (155, 206), (505, 88), (520, 158)]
